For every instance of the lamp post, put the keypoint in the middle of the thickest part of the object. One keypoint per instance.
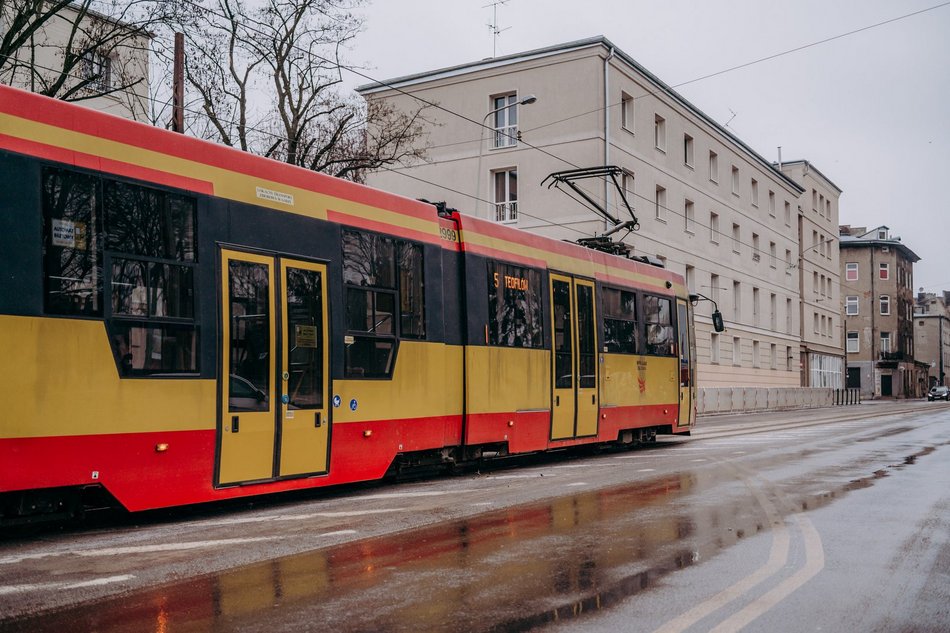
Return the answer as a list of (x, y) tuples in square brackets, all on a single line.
[(481, 141)]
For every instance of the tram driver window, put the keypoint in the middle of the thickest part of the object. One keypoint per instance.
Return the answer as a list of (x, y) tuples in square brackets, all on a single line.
[(385, 300), (658, 315), (620, 321)]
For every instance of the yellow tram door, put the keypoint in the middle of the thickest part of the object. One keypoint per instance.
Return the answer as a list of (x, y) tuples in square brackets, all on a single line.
[(587, 367), (246, 429), (574, 363), (687, 378), (304, 424)]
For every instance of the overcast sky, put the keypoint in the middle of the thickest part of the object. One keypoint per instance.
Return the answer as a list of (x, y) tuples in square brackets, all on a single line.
[(869, 110)]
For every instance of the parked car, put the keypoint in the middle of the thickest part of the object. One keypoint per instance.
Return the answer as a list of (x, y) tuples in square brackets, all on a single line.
[(939, 393)]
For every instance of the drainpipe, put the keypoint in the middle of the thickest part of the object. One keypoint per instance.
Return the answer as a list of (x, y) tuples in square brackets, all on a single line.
[(610, 56)]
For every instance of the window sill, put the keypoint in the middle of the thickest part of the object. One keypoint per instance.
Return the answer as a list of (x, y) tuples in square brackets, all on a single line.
[(660, 220)]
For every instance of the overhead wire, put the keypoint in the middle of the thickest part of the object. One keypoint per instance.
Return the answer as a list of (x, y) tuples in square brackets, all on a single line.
[(483, 125)]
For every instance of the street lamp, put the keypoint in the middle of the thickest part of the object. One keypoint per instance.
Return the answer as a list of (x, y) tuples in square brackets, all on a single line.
[(528, 100)]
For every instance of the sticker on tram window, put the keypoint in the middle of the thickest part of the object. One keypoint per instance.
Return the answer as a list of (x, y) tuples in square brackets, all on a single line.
[(68, 234), (305, 336), (337, 401), (353, 404)]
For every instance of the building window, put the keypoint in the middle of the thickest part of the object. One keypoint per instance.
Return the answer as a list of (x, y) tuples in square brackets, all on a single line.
[(755, 192), (735, 238), (815, 322), (713, 166), (714, 288), (626, 111), (660, 202), (505, 183), (789, 317), (773, 309), (714, 348), (885, 304), (756, 256), (885, 270), (690, 277), (788, 262), (505, 120), (689, 214), (851, 305), (773, 356), (688, 150), (885, 342), (814, 283), (755, 307), (814, 200), (756, 353), (854, 344), (773, 258), (788, 358), (620, 321), (882, 234), (851, 271), (659, 132), (788, 214), (514, 306), (736, 351), (627, 182), (772, 203), (735, 180), (736, 299), (97, 70), (713, 227)]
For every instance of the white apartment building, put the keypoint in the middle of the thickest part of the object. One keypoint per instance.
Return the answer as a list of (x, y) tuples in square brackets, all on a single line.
[(818, 268), (708, 205), (123, 61)]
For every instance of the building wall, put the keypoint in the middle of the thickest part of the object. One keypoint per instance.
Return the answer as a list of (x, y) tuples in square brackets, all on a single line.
[(129, 60), (818, 268), (879, 367), (931, 341), (569, 121)]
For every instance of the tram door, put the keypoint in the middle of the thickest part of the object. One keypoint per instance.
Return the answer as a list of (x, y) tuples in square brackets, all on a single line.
[(274, 373), (574, 364), (687, 353)]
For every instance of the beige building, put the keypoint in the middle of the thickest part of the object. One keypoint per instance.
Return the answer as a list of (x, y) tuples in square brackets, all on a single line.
[(121, 62), (877, 277), (708, 205), (817, 267), (932, 336)]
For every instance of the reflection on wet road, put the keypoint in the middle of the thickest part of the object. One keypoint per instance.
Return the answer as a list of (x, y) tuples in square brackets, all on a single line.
[(521, 567)]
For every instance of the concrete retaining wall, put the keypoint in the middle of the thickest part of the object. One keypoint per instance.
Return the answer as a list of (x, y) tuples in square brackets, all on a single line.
[(748, 399)]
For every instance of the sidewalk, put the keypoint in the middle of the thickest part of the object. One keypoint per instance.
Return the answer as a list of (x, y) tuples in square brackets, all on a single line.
[(875, 407)]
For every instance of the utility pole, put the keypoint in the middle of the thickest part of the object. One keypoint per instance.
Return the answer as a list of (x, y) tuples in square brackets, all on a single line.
[(178, 85)]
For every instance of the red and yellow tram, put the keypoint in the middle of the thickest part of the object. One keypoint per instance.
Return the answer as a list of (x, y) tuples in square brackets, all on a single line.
[(181, 322)]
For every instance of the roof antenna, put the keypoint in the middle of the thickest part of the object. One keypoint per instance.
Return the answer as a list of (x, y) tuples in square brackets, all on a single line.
[(726, 124), (493, 27)]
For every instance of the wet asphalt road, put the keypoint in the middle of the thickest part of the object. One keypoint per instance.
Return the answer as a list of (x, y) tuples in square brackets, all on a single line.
[(833, 520)]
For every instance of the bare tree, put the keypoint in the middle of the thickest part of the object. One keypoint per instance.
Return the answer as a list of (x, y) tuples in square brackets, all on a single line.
[(268, 78), (78, 50)]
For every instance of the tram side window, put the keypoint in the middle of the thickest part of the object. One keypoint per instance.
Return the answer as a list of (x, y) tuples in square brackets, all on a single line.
[(126, 252), (620, 321), (658, 315), (72, 247), (381, 275), (514, 306)]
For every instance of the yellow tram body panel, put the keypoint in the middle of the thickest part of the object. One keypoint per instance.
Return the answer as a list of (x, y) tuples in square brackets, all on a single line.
[(58, 378)]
